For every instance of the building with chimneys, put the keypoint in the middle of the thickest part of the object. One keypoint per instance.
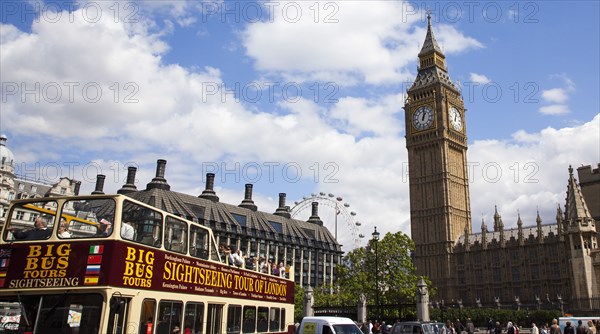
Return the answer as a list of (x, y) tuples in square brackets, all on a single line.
[(308, 246), (14, 186), (554, 264)]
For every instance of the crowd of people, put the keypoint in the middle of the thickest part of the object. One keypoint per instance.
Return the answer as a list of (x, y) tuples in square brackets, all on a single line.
[(233, 256), (457, 327)]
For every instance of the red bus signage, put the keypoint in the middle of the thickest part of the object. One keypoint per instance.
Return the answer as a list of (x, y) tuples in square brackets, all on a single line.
[(64, 265)]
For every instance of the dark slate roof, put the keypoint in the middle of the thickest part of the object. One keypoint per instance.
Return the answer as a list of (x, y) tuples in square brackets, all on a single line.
[(197, 208)]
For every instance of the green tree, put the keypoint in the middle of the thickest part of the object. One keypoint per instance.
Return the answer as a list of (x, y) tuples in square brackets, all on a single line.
[(396, 275), (298, 302)]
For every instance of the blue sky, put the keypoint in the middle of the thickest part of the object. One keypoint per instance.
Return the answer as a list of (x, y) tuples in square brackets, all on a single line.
[(300, 97)]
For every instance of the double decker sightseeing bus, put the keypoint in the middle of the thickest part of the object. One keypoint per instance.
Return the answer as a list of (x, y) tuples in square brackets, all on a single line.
[(103, 264)]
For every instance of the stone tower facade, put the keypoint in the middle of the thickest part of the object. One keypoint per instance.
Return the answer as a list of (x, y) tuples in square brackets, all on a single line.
[(550, 265), (437, 153)]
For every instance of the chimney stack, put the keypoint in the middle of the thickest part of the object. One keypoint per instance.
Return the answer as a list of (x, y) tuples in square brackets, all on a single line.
[(248, 203), (314, 218), (209, 192), (129, 186), (77, 187), (159, 181), (99, 185), (282, 210)]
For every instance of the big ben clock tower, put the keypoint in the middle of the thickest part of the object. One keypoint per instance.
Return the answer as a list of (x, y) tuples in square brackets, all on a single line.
[(437, 157)]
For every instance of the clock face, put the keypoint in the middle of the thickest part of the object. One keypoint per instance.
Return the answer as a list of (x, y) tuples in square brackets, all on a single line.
[(455, 119), (423, 118)]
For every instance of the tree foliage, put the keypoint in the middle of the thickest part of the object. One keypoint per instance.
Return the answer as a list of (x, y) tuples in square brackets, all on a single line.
[(298, 302), (382, 268)]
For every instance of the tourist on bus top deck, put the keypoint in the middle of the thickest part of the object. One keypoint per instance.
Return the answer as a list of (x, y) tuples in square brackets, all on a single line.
[(63, 229), (127, 231), (104, 228), (235, 259), (40, 231)]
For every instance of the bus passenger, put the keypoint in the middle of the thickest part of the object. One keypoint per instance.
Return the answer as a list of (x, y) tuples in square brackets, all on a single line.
[(146, 328), (224, 252), (235, 258), (63, 229), (127, 231), (40, 231), (104, 228), (163, 326)]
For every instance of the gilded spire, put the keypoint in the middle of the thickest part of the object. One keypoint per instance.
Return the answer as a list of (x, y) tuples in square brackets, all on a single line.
[(430, 45)]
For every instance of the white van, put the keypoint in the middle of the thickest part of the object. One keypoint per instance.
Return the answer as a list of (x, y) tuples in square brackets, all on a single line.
[(328, 325)]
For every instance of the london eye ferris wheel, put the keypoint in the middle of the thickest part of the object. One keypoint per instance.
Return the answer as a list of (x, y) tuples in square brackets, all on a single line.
[(337, 217)]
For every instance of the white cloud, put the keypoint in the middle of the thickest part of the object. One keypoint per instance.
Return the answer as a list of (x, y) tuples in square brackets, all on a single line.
[(380, 44), (529, 172), (555, 95), (555, 109), (479, 78)]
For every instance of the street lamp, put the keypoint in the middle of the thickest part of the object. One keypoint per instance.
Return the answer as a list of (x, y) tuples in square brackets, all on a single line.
[(375, 241)]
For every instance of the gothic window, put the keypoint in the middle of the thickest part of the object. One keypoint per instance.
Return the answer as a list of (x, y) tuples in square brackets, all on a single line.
[(535, 272), (516, 274)]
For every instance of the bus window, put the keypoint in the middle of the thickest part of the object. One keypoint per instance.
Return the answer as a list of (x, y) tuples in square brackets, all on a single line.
[(282, 327), (60, 314), (194, 315), (118, 315), (176, 235), (198, 242), (249, 323), (234, 319), (146, 223), (214, 318), (147, 316), (262, 325), (31, 221), (83, 218), (169, 317), (274, 319)]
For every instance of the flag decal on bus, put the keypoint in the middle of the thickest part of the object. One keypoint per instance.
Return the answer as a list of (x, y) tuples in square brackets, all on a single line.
[(96, 249), (90, 280), (94, 262), (92, 270)]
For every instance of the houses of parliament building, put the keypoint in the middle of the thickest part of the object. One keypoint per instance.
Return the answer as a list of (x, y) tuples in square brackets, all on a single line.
[(555, 262)]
